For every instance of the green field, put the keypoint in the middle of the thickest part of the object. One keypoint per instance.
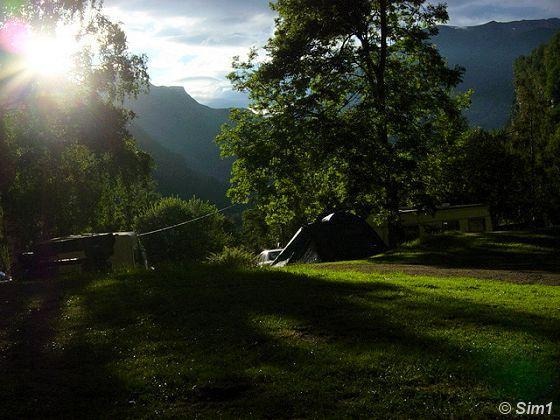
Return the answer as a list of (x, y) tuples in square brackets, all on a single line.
[(310, 341)]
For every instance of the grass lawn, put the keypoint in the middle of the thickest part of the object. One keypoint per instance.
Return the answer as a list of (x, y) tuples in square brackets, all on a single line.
[(304, 342), (537, 251)]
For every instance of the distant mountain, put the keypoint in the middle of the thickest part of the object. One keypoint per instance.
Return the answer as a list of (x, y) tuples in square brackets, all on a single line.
[(173, 175), (172, 118), (488, 52)]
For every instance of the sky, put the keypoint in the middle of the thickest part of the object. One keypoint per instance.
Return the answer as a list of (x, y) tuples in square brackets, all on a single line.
[(191, 43)]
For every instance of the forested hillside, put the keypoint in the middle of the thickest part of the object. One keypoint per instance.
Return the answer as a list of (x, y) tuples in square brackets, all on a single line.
[(487, 52), (174, 177), (183, 126)]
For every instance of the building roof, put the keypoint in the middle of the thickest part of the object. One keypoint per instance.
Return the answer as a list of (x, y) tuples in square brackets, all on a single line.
[(444, 207)]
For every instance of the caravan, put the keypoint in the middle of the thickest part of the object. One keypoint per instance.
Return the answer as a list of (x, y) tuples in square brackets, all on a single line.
[(82, 253)]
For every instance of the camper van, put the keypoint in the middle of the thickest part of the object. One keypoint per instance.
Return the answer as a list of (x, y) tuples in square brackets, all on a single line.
[(101, 252)]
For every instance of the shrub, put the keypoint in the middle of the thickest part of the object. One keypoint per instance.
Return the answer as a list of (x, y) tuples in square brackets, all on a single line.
[(233, 257), (191, 242)]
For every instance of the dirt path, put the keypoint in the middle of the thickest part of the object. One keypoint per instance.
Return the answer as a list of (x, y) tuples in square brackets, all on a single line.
[(513, 276)]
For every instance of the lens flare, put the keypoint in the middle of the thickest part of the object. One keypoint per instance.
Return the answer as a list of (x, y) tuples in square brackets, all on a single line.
[(51, 54), (33, 62), (37, 53), (14, 36)]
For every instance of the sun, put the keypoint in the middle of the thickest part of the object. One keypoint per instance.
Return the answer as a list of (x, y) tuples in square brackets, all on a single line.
[(50, 55), (45, 59)]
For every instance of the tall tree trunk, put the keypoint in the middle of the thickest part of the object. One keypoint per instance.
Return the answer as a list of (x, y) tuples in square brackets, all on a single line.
[(7, 173), (392, 203), (391, 184)]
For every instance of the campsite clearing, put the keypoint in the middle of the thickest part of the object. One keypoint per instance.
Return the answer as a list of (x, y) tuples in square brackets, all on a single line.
[(300, 342)]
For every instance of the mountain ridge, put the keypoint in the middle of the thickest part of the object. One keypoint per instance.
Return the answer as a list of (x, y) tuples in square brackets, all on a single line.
[(170, 116), (173, 175)]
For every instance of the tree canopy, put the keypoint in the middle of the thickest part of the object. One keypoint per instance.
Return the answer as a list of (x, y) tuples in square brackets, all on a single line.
[(190, 242), (348, 101), (535, 128)]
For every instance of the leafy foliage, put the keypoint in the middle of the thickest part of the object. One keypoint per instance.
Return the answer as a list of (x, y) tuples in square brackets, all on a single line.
[(46, 13), (480, 167), (66, 182), (232, 257), (191, 242), (5, 259), (347, 103), (257, 235), (536, 128), (516, 170)]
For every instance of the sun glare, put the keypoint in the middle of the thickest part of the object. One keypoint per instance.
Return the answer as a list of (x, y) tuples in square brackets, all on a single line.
[(50, 55), (36, 56)]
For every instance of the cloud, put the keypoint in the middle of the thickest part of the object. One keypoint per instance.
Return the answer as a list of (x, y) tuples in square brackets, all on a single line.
[(191, 43), (235, 9)]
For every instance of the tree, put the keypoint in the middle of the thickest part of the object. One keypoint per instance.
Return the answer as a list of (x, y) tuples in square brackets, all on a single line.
[(257, 235), (480, 167), (350, 99), (536, 128), (191, 242), (69, 163)]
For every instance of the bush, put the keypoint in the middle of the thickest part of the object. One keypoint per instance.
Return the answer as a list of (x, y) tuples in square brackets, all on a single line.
[(233, 257), (191, 242)]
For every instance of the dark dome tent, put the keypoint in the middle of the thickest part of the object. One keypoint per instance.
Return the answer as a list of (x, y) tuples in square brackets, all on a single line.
[(338, 236)]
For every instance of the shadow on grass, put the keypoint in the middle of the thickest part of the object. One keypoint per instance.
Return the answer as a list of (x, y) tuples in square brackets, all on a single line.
[(528, 251), (40, 377), (197, 340)]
